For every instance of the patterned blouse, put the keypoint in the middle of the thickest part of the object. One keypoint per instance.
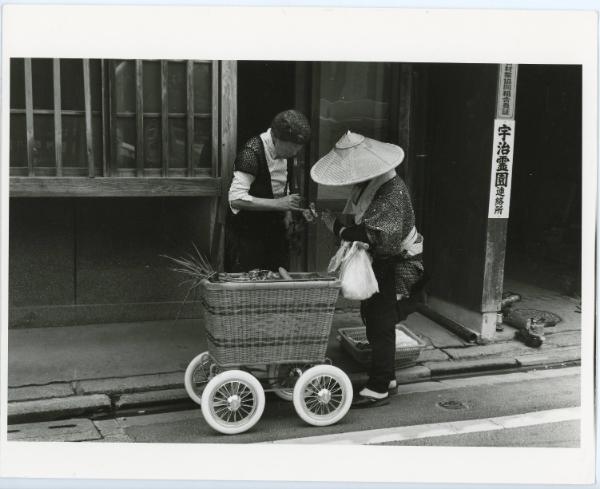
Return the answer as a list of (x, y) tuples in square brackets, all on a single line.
[(385, 224)]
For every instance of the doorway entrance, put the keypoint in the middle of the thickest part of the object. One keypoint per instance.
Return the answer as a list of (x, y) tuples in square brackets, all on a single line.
[(264, 89), (544, 230)]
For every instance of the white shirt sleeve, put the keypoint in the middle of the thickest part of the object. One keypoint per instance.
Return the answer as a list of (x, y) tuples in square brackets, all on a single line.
[(240, 186)]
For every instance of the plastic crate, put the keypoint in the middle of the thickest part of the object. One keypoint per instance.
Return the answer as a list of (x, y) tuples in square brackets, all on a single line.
[(354, 341)]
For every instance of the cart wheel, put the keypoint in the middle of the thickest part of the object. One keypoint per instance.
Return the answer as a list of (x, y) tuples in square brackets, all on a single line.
[(233, 402), (197, 375), (322, 395), (284, 377)]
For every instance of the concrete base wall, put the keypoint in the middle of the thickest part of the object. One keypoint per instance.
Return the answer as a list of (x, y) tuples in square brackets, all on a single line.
[(73, 258), (483, 324)]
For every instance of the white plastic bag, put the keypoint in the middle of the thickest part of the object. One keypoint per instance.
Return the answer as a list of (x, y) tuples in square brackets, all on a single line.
[(357, 277), (336, 260)]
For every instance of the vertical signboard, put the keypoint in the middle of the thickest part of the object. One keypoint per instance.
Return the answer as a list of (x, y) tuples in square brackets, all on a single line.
[(503, 144), (502, 160)]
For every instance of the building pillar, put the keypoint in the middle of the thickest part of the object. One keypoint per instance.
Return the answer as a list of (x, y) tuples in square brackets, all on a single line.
[(227, 152), (499, 203)]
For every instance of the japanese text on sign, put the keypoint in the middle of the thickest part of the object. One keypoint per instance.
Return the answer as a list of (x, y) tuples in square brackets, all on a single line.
[(502, 158), (506, 91)]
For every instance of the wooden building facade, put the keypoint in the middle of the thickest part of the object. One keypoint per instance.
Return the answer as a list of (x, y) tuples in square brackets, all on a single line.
[(114, 163)]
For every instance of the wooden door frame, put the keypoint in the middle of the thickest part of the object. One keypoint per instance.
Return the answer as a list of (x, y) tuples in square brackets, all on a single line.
[(227, 152), (313, 155), (303, 103)]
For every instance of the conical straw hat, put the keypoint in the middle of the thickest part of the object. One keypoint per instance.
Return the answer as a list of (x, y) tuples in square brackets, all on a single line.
[(355, 159)]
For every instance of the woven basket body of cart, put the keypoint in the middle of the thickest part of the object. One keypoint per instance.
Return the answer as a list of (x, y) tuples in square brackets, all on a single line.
[(268, 322)]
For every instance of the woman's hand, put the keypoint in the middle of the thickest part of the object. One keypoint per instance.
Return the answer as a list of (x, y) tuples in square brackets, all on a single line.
[(292, 202), (328, 219), (308, 215)]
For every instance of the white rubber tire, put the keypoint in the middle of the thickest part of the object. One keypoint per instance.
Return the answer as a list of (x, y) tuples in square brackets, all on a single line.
[(221, 394), (287, 394), (330, 382), (201, 361)]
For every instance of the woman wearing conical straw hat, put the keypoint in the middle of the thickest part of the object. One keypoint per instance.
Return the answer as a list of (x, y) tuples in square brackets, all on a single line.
[(382, 216)]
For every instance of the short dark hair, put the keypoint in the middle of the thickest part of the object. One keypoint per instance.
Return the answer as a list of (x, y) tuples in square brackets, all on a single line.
[(291, 125)]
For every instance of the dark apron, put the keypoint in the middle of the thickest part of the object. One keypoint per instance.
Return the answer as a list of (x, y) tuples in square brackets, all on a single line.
[(258, 239)]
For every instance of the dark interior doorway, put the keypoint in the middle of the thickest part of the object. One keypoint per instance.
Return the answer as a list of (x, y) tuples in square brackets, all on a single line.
[(544, 230), (264, 89)]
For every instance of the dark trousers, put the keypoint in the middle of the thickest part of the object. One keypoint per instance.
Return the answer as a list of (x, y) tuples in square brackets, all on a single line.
[(380, 313)]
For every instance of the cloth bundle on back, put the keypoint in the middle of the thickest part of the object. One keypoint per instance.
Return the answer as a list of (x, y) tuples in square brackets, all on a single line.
[(383, 217)]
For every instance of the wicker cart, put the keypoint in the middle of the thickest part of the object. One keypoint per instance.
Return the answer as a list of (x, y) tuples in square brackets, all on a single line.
[(267, 336)]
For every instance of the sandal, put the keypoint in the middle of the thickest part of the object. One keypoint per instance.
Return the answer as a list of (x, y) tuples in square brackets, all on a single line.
[(361, 402)]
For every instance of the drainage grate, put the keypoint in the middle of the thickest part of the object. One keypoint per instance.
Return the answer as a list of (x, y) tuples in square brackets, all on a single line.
[(77, 429), (451, 404)]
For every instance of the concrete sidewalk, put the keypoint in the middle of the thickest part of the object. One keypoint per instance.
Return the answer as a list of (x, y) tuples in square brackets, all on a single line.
[(95, 370)]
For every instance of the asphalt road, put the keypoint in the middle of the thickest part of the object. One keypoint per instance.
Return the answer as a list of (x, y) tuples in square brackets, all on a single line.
[(536, 408)]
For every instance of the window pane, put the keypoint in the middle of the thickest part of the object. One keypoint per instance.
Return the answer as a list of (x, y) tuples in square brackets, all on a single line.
[(42, 83), (176, 87), (71, 84), (43, 148), (125, 86), (177, 143), (201, 151), (125, 143), (73, 141), (152, 102), (96, 84), (18, 140), (152, 143), (17, 83), (97, 141), (356, 97), (202, 88)]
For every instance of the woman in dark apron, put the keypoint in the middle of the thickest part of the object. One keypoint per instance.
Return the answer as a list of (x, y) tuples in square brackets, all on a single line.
[(262, 196)]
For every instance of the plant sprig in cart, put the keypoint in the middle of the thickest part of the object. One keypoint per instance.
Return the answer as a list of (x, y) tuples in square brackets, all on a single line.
[(196, 268)]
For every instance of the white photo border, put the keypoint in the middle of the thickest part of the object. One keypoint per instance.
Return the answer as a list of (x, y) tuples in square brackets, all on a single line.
[(361, 34)]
